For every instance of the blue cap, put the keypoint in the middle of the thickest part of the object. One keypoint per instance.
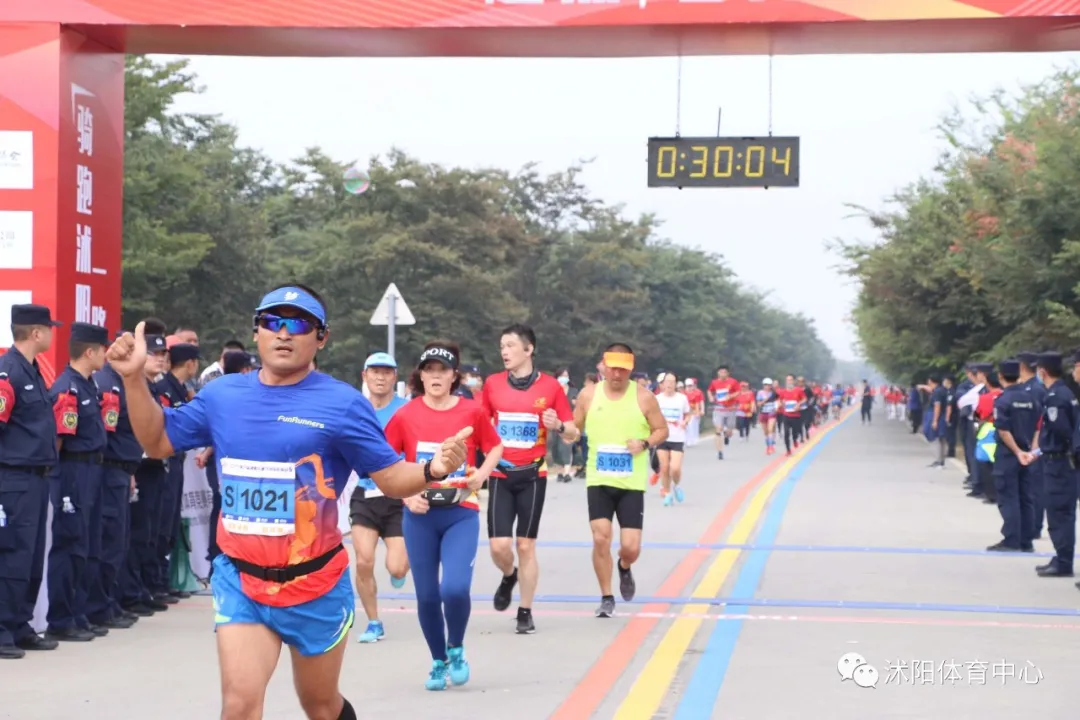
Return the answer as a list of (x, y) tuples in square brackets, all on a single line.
[(1009, 367), (156, 344), (296, 298), (182, 352), (380, 359), (1028, 358)]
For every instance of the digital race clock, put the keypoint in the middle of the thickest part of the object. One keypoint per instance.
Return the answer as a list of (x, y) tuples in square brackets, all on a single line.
[(724, 162)]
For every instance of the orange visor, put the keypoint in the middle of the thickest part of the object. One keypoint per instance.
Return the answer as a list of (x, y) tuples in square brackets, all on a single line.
[(621, 360)]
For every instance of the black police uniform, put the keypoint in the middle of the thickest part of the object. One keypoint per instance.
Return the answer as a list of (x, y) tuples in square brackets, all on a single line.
[(75, 491), (142, 574), (1016, 411), (1035, 470), (27, 455), (174, 394), (1059, 424), (953, 421)]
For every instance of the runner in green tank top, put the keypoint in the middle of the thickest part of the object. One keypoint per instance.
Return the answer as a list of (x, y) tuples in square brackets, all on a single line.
[(622, 421)]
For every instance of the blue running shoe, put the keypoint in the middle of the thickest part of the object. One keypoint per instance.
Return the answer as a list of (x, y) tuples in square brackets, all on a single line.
[(459, 666), (373, 633), (398, 582), (679, 494), (668, 500), (438, 676)]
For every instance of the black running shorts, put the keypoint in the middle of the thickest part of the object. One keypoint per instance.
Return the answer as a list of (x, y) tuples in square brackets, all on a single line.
[(671, 446), (519, 499), (607, 502), (380, 513)]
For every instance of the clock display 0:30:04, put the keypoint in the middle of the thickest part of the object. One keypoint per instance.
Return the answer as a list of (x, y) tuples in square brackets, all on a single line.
[(722, 162)]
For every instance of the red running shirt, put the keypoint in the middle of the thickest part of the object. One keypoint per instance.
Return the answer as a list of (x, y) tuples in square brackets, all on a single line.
[(725, 392), (695, 397), (418, 431), (516, 415), (790, 401)]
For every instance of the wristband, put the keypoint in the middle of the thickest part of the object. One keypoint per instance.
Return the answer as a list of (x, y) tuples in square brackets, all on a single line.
[(646, 444), (430, 476)]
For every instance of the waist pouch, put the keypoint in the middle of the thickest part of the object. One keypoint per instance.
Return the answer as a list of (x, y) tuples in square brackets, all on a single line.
[(521, 472), (445, 496)]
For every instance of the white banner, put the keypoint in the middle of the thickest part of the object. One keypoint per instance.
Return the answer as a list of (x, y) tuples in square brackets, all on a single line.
[(195, 505)]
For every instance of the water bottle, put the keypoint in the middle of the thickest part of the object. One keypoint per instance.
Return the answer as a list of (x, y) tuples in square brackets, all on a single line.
[(68, 507), (3, 517)]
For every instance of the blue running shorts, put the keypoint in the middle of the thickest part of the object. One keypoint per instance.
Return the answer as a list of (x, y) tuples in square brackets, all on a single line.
[(313, 628)]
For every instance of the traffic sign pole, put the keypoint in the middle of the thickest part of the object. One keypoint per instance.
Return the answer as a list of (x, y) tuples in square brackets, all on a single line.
[(391, 305)]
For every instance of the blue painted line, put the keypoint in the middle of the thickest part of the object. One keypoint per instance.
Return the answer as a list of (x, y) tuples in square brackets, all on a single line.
[(700, 695), (866, 549), (734, 604)]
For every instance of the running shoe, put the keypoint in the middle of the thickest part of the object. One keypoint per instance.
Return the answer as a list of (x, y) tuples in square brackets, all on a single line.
[(720, 455), (459, 666), (607, 607), (668, 499), (398, 582), (525, 624), (679, 494), (438, 676), (373, 633), (654, 478), (627, 586), (504, 593)]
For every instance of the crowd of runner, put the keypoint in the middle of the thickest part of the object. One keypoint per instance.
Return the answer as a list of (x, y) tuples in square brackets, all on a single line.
[(280, 442)]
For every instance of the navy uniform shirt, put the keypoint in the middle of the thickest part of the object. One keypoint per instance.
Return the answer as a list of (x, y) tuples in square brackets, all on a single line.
[(77, 407), (939, 397), (962, 389), (1036, 388), (122, 445), (172, 393), (27, 423), (1017, 411), (1059, 419)]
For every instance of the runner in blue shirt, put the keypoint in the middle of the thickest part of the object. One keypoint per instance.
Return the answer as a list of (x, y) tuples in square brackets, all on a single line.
[(285, 440), (373, 514)]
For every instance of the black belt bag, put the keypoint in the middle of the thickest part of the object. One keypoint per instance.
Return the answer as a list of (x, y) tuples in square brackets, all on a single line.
[(445, 496), (521, 472), (286, 574)]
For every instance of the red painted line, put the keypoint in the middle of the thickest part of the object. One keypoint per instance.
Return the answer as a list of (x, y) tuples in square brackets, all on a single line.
[(594, 687)]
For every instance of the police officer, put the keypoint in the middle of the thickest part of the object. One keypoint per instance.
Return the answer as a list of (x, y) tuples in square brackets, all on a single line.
[(121, 459), (142, 574), (175, 391), (27, 455), (75, 487), (1028, 361), (1055, 446), (1016, 413)]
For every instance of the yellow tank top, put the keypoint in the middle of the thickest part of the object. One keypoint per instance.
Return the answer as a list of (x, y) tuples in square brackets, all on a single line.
[(609, 425)]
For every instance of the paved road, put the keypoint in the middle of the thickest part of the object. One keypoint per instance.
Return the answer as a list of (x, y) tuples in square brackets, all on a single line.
[(860, 549)]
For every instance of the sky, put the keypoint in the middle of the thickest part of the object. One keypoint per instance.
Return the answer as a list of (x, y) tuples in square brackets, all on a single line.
[(867, 126)]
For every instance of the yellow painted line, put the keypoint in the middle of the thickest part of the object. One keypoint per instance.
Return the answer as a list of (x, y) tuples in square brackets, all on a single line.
[(904, 9), (651, 686)]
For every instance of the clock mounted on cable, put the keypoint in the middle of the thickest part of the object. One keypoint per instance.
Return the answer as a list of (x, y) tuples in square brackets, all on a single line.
[(724, 162)]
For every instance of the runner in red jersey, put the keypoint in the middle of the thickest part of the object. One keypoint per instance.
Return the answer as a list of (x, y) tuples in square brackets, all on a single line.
[(791, 400), (722, 391), (525, 406), (441, 525), (696, 398), (744, 409)]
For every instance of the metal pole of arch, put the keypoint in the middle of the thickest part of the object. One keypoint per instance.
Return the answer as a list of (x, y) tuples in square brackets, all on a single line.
[(391, 325)]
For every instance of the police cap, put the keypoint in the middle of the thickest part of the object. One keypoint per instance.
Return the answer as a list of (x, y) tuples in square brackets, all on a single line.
[(983, 367), (155, 344), (32, 315), (182, 352), (87, 333), (1051, 362), (1009, 367), (1028, 358), (470, 369)]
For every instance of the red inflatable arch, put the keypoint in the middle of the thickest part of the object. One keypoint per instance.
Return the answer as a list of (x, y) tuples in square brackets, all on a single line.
[(62, 83)]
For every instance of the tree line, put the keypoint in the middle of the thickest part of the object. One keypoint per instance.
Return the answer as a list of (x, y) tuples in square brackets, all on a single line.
[(981, 259), (210, 226)]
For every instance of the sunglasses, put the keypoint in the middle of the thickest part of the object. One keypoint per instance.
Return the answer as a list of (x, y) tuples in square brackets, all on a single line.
[(292, 325)]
